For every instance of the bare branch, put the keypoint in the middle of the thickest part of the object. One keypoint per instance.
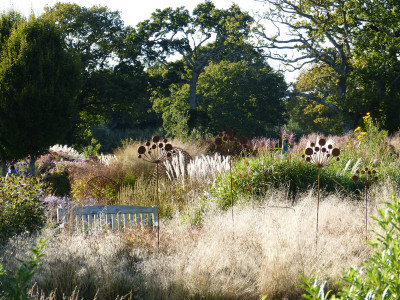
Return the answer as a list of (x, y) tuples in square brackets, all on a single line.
[(316, 99)]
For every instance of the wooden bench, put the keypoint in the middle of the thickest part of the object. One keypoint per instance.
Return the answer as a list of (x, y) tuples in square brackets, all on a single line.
[(89, 219)]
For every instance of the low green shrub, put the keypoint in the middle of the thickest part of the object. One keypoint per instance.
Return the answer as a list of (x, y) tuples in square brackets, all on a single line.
[(379, 276), (254, 176), (14, 284), (58, 184), (20, 207)]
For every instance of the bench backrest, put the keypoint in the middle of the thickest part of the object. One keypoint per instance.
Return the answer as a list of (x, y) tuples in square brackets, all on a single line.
[(90, 219)]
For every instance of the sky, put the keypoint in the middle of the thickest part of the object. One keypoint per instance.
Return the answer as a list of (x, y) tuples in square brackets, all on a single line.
[(134, 11)]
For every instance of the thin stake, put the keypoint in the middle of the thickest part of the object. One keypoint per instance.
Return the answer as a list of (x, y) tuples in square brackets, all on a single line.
[(316, 236), (158, 214), (366, 213), (233, 221)]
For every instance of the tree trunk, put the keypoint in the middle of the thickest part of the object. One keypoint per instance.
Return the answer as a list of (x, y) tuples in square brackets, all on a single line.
[(3, 169), (192, 90), (32, 168), (347, 126)]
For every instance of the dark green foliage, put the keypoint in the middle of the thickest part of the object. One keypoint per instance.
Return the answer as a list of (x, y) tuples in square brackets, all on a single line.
[(20, 206), (14, 285), (8, 21), (114, 89), (39, 81), (199, 37), (253, 176), (59, 184), (245, 96)]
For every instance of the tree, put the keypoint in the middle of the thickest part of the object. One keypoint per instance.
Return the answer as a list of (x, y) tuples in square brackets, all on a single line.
[(198, 38), (377, 58), (334, 33), (115, 85), (322, 32), (307, 116), (245, 96), (39, 81)]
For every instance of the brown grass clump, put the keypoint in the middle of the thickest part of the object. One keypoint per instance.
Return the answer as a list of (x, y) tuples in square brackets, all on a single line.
[(135, 167), (272, 245), (83, 181)]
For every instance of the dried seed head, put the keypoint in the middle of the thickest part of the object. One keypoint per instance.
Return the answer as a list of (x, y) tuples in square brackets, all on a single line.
[(218, 141), (243, 140), (155, 139), (336, 152), (322, 142), (142, 150), (309, 151), (355, 178)]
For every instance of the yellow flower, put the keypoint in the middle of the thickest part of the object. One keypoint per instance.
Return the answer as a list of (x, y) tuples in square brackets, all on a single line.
[(357, 129), (367, 116)]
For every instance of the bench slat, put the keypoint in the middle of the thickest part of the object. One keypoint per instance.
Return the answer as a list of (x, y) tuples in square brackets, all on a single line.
[(98, 218)]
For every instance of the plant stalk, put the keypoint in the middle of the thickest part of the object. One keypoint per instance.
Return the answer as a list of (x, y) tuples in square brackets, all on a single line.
[(233, 221), (316, 234), (158, 213), (366, 213)]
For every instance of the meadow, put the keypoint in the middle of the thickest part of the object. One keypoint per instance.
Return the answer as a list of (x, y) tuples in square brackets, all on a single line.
[(209, 249)]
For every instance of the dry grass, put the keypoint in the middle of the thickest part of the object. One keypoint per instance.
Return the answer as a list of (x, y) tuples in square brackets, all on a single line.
[(271, 246), (134, 166)]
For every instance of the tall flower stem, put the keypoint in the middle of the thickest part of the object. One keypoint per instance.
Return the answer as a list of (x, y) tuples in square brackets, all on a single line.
[(366, 212), (229, 142), (367, 177), (157, 152), (233, 221), (158, 213), (316, 234)]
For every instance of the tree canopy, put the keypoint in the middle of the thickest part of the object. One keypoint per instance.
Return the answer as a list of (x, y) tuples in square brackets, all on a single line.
[(114, 82), (39, 81), (343, 36), (245, 96), (197, 38)]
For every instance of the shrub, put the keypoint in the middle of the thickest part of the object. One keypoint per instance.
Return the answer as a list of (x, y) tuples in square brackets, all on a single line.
[(378, 278), (14, 285), (254, 176), (20, 207)]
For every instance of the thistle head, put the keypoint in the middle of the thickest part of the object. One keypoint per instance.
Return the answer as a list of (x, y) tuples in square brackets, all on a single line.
[(366, 176), (321, 153), (156, 151), (228, 142)]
